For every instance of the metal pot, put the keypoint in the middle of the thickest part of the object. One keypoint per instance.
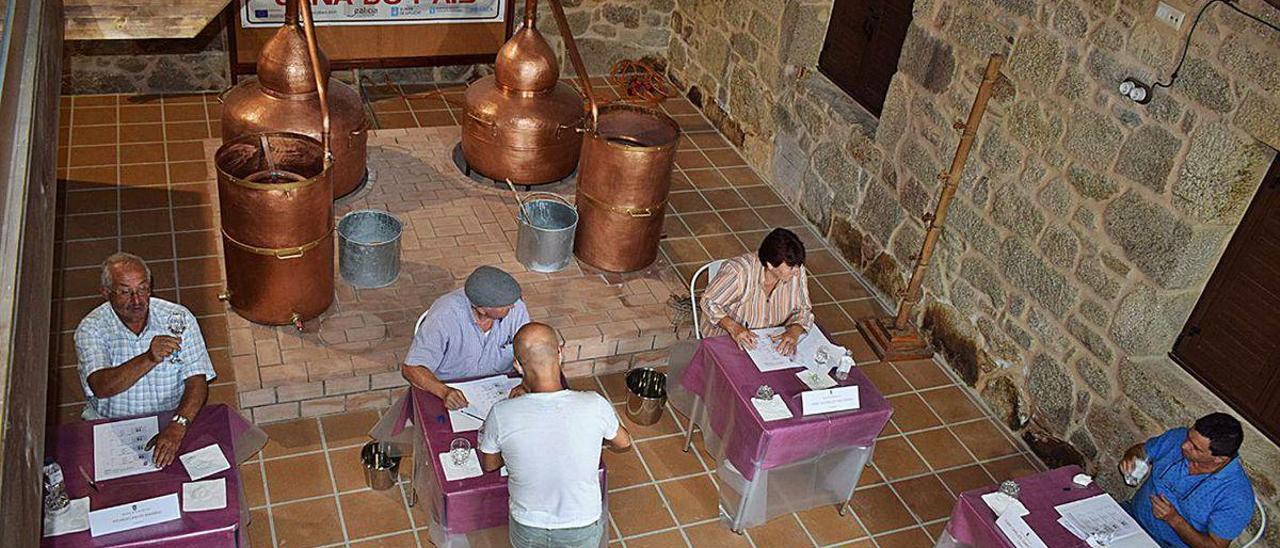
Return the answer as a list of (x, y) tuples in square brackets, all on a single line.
[(276, 202), (522, 123), (646, 395), (623, 183), (544, 241), (285, 98)]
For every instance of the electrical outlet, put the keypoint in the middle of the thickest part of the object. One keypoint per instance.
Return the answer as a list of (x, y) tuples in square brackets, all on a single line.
[(1170, 15)]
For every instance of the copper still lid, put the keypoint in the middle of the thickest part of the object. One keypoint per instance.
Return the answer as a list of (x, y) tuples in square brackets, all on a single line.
[(527, 62), (283, 64)]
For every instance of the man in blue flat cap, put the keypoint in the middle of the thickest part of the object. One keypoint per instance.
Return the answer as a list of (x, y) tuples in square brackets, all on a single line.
[(466, 333)]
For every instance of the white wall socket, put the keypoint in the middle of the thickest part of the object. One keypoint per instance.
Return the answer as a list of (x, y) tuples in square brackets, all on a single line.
[(1170, 15)]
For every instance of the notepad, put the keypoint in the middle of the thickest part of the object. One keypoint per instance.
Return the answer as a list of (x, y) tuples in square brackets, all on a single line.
[(72, 519), (772, 409), (204, 462), (469, 468), (816, 381), (200, 496)]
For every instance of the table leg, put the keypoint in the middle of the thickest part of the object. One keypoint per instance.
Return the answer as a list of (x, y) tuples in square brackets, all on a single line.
[(844, 508), (743, 501), (693, 412)]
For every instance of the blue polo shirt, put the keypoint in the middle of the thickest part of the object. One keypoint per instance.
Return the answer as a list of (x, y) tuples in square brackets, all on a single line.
[(1220, 503)]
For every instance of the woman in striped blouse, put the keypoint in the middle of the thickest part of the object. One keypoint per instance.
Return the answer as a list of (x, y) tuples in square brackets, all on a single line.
[(768, 288)]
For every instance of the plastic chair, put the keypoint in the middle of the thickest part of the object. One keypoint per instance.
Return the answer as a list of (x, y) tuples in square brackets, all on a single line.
[(711, 269), (1262, 527)]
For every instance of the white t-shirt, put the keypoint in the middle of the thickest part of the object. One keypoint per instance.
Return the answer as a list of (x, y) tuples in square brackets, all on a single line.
[(550, 442)]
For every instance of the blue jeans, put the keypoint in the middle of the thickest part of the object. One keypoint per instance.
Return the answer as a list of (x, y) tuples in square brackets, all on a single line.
[(523, 536)]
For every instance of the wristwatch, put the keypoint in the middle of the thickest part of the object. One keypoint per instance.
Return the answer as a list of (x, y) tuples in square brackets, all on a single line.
[(180, 420)]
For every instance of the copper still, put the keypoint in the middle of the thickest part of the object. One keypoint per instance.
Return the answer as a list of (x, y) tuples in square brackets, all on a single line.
[(275, 194), (522, 123), (624, 177), (285, 97)]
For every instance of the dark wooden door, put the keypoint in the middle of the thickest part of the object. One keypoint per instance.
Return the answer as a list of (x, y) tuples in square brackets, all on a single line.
[(1231, 342), (862, 46)]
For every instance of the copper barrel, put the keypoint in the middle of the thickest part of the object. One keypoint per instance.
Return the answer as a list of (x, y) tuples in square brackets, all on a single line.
[(285, 98), (522, 123), (623, 183), (276, 200)]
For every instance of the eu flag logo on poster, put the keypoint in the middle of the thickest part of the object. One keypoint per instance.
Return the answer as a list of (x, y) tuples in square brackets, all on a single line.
[(395, 11), (259, 13)]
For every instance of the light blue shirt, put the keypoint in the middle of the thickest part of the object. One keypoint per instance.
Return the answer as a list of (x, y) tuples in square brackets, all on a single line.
[(1220, 503), (451, 345), (103, 341)]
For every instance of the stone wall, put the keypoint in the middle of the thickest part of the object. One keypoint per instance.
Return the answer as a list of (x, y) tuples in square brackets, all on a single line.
[(1085, 226), (606, 31)]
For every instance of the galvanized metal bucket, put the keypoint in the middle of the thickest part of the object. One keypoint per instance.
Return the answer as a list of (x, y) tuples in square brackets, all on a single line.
[(544, 242), (369, 248), (381, 464), (646, 395)]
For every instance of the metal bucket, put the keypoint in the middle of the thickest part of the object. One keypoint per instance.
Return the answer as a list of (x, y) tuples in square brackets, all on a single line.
[(369, 248), (544, 242), (646, 395), (381, 465)]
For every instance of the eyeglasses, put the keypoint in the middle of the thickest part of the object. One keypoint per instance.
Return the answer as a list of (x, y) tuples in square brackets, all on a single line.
[(141, 291)]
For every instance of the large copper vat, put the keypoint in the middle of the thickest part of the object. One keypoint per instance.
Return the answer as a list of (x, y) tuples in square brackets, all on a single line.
[(285, 98), (522, 123), (276, 200), (623, 183)]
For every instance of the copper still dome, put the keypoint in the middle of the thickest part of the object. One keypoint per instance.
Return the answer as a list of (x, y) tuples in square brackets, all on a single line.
[(522, 123), (284, 98)]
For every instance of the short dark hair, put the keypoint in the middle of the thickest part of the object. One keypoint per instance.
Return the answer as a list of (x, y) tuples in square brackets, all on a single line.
[(1224, 433), (781, 246)]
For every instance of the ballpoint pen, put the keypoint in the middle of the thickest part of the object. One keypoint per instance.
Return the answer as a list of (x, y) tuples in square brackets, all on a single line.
[(88, 479)]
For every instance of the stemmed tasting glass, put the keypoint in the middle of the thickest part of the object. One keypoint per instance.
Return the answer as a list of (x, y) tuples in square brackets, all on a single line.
[(177, 326)]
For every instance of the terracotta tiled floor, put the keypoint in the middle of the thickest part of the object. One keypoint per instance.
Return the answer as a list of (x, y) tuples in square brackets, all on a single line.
[(136, 178)]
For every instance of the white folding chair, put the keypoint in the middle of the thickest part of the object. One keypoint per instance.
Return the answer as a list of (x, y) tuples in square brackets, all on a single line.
[(421, 319), (1262, 527), (711, 269)]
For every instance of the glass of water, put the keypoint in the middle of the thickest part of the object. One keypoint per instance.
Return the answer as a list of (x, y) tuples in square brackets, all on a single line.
[(177, 326), (460, 451)]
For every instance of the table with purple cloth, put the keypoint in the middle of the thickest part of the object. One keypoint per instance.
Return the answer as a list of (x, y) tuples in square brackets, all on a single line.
[(71, 446), (464, 513), (974, 524), (781, 466)]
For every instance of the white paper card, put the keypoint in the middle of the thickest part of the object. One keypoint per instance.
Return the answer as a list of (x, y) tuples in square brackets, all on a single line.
[(134, 515), (481, 395), (119, 448), (772, 409), (72, 519), (765, 356), (205, 461), (1018, 532), (816, 381), (828, 401), (1100, 519), (1001, 503), (198, 496), (469, 468)]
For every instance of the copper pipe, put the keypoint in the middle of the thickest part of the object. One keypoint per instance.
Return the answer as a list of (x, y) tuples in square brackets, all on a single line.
[(572, 47), (952, 181), (530, 13), (313, 50)]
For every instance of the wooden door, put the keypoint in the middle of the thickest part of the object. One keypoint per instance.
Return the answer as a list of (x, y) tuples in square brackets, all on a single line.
[(1231, 342)]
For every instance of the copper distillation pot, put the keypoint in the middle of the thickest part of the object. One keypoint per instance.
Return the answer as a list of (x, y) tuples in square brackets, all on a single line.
[(285, 98), (275, 194), (522, 123), (624, 178)]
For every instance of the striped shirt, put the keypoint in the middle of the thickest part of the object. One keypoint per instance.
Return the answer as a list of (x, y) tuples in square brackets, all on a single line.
[(737, 291), (103, 341)]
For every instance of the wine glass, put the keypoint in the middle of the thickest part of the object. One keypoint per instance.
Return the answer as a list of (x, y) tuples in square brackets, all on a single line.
[(460, 451), (177, 325), (820, 360)]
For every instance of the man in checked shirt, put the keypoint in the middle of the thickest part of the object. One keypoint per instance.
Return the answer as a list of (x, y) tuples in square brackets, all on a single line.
[(132, 360)]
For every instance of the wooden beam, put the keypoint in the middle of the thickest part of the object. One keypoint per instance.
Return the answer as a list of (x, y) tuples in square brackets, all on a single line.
[(138, 19)]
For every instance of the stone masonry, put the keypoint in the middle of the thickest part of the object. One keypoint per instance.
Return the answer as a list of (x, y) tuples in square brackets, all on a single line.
[(1085, 226), (606, 31)]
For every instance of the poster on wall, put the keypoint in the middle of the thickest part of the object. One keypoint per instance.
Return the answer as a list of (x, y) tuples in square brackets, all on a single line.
[(270, 13)]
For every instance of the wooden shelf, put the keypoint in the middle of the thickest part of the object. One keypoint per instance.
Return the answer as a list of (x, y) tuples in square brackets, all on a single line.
[(138, 19)]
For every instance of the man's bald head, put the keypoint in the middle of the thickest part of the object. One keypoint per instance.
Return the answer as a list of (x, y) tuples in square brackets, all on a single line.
[(537, 348)]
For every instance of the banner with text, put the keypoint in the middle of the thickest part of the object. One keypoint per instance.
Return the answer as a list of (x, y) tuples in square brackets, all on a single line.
[(270, 13)]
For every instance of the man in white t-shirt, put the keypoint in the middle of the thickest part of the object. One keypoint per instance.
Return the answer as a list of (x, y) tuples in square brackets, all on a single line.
[(550, 439)]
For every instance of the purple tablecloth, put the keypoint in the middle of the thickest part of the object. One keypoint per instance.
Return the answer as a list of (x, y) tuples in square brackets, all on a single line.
[(726, 379), (459, 506), (71, 445), (974, 524)]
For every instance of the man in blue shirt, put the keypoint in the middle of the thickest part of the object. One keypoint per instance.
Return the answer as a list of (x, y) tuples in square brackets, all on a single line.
[(1196, 493), (466, 333)]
